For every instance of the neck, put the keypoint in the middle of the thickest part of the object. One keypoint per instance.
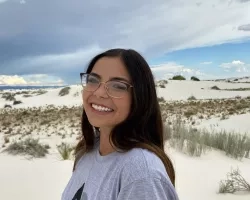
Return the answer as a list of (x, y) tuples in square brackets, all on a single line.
[(105, 145)]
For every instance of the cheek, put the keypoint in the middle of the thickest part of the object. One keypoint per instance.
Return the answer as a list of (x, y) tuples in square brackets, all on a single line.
[(123, 107), (85, 96)]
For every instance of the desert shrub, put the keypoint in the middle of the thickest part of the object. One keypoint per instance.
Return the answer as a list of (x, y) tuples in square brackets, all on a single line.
[(6, 139), (178, 77), (193, 78), (17, 102), (192, 98), (190, 112), (8, 96), (161, 99), (64, 91), (242, 105), (162, 83), (7, 106), (65, 150), (237, 97), (27, 95), (45, 122), (40, 92), (215, 88), (29, 146), (234, 183)]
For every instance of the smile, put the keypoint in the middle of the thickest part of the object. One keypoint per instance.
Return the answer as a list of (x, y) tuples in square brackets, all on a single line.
[(101, 108)]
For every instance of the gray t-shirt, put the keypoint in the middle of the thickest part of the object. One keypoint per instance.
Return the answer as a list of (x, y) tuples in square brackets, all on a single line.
[(135, 175)]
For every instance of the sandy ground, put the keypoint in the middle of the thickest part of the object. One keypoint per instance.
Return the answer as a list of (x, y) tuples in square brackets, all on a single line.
[(236, 123), (182, 90), (196, 177)]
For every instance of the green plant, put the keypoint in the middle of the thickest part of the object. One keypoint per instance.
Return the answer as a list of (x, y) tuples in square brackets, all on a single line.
[(193, 78), (6, 139), (40, 92), (161, 99), (17, 102), (192, 98), (29, 146), (65, 150), (215, 88), (178, 77), (190, 112), (195, 141), (64, 91), (8, 96)]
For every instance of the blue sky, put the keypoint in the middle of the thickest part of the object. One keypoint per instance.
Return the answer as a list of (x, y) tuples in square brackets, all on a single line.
[(49, 42), (209, 59)]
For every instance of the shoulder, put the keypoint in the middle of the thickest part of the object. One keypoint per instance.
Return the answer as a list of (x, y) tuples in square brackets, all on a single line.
[(141, 164), (144, 176)]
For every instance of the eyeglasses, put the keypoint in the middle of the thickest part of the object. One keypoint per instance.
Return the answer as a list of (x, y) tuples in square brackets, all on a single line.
[(114, 88)]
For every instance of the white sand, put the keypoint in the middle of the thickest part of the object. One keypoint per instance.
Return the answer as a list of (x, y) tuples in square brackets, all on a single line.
[(236, 123), (197, 178), (182, 90), (37, 179), (51, 97)]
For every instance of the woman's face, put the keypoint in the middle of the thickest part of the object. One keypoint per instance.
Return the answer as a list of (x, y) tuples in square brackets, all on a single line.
[(102, 110)]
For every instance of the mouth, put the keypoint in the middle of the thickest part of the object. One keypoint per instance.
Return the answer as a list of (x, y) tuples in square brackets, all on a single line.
[(101, 108)]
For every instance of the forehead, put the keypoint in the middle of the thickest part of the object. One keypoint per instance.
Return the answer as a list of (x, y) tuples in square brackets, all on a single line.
[(108, 67)]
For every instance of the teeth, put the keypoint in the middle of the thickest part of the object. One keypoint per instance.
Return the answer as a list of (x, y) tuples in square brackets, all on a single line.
[(100, 108)]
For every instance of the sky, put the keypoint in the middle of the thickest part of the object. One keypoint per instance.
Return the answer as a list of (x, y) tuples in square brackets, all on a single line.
[(50, 42)]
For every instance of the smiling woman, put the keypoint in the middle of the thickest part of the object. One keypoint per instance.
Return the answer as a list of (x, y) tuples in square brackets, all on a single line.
[(121, 153)]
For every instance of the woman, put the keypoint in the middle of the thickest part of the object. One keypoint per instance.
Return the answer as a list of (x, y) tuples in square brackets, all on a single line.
[(121, 153)]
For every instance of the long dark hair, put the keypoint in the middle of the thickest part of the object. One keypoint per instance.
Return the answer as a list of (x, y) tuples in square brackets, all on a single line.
[(143, 127)]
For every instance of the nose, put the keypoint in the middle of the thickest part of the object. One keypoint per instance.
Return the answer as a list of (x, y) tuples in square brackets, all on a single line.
[(101, 91)]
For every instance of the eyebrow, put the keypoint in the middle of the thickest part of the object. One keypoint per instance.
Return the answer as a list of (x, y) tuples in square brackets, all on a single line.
[(112, 78)]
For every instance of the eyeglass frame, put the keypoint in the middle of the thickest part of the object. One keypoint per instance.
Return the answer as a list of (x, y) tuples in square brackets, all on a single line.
[(105, 86)]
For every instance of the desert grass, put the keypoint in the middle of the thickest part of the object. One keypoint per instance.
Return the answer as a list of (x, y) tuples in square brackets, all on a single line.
[(238, 89), (29, 146), (204, 109), (65, 150), (196, 142), (39, 92)]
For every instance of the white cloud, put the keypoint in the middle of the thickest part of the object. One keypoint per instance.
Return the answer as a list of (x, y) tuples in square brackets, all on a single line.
[(236, 65), (245, 27), (70, 60), (206, 63), (2, 1), (22, 2), (175, 25), (32, 79), (168, 70), (12, 80), (151, 28)]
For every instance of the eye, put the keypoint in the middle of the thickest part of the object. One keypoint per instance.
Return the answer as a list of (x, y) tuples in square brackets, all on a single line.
[(92, 79), (118, 86)]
